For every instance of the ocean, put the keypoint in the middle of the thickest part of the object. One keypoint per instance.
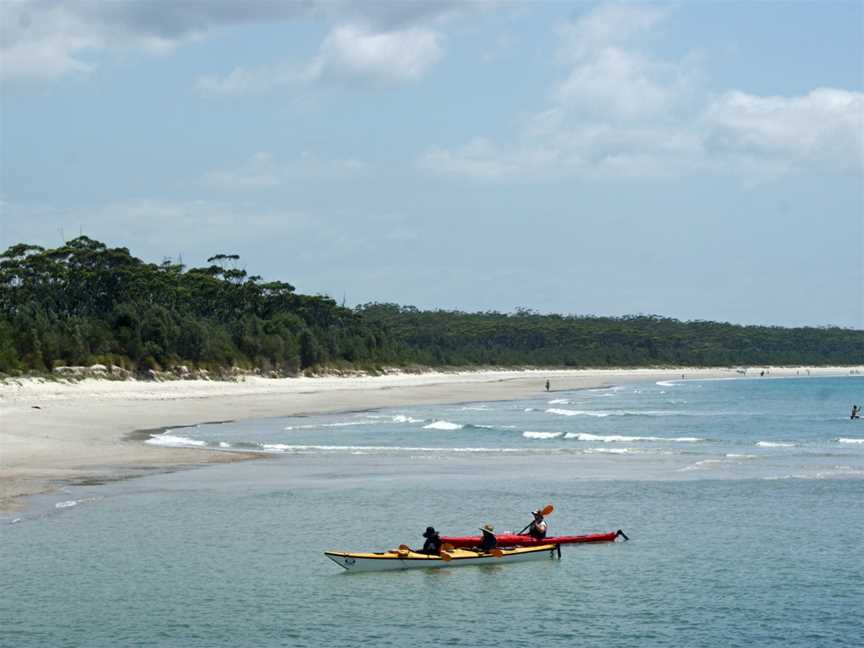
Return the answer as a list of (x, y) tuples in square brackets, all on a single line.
[(743, 499)]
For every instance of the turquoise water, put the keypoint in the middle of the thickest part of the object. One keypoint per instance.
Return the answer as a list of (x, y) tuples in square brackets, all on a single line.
[(756, 550)]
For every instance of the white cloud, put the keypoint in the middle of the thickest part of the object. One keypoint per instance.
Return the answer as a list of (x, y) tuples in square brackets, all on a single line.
[(353, 53), (826, 124), (49, 39), (618, 111), (264, 171)]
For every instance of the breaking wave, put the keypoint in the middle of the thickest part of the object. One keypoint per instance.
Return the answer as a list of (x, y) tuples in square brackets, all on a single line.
[(173, 441), (846, 440), (443, 425), (619, 438), (542, 435), (775, 444)]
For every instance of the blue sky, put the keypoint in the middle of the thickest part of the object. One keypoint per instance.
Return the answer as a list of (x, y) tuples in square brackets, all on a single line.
[(696, 160)]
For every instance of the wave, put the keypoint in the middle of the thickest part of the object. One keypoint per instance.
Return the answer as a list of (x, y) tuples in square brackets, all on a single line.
[(443, 425), (847, 440), (402, 418), (618, 451), (566, 412), (66, 504), (542, 435), (605, 413), (173, 441), (666, 383), (740, 456), (615, 438), (559, 401), (775, 444), (295, 448)]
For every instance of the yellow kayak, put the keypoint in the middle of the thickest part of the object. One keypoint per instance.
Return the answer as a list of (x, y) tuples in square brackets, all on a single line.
[(406, 559)]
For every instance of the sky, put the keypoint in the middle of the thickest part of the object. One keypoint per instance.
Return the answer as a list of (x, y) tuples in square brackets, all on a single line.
[(699, 160)]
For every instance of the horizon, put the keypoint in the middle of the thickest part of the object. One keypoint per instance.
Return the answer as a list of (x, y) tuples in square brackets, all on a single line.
[(699, 162)]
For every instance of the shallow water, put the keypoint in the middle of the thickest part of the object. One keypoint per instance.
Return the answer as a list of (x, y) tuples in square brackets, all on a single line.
[(230, 555)]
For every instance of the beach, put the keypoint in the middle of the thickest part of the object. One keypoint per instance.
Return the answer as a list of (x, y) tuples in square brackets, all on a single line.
[(90, 431)]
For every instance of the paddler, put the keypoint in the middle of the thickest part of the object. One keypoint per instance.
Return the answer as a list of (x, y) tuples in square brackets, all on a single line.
[(432, 545), (488, 541), (537, 528)]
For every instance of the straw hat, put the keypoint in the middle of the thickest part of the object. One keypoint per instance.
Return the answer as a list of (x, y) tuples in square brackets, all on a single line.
[(488, 528)]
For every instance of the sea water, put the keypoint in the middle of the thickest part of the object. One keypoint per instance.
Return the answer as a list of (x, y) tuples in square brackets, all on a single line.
[(742, 499)]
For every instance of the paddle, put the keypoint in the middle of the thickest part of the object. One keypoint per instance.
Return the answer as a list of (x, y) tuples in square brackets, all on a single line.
[(546, 510), (443, 555), (496, 552)]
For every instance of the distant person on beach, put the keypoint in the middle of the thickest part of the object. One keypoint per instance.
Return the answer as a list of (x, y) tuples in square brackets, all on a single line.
[(538, 527), (762, 373), (856, 412), (488, 541), (432, 545), (547, 385)]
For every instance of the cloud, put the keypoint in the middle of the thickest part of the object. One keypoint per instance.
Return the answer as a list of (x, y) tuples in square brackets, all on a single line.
[(352, 53), (43, 39), (620, 112), (263, 171), (826, 124)]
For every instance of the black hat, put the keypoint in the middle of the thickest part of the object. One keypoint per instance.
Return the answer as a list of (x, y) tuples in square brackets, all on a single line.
[(430, 531)]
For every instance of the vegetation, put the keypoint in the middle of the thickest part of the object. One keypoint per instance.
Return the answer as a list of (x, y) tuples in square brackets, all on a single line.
[(85, 303)]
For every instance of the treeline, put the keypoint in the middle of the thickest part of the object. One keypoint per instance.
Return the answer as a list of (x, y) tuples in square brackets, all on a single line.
[(527, 338), (85, 303)]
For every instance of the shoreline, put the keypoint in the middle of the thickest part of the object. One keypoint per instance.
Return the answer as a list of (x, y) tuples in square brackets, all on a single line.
[(91, 431)]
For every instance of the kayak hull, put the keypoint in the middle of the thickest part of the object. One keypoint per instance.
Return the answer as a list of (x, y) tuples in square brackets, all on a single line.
[(514, 540), (401, 560)]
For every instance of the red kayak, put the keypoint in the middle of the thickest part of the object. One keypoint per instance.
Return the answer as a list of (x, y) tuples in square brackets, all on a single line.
[(513, 540)]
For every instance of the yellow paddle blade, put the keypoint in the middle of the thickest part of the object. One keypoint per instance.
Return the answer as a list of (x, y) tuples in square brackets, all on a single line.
[(447, 547)]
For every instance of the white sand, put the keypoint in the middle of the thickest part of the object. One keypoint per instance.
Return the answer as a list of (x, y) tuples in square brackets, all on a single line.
[(55, 432)]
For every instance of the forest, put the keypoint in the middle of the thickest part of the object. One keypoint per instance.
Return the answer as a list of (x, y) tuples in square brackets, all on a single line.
[(85, 303)]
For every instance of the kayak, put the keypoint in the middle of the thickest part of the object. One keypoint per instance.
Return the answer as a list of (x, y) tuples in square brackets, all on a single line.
[(405, 559), (514, 540)]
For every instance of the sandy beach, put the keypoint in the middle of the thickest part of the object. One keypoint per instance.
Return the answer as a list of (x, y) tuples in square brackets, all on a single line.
[(56, 432)]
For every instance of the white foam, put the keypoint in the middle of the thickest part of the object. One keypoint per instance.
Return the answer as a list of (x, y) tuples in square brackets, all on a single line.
[(732, 455), (402, 418), (559, 401), (442, 425), (846, 440), (666, 383), (615, 438), (775, 444), (173, 441), (542, 435), (567, 412), (288, 448), (66, 504), (222, 444), (618, 451), (476, 408)]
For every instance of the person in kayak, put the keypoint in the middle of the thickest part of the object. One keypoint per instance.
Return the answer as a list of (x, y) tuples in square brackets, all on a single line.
[(538, 527), (488, 541), (432, 545)]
